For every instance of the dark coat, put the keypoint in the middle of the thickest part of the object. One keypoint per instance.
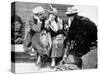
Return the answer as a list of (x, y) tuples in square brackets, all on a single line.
[(83, 31)]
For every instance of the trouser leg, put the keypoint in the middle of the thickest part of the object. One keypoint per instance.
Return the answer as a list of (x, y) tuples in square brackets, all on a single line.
[(38, 60), (53, 62)]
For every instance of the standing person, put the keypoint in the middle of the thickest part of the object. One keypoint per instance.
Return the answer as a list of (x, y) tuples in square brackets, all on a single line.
[(55, 25), (82, 31)]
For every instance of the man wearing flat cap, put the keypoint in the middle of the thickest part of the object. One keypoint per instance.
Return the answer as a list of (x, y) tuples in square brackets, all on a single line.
[(36, 25), (38, 41), (82, 31)]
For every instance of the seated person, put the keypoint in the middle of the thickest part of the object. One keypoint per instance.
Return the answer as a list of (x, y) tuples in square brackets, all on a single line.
[(16, 33), (36, 25), (55, 26)]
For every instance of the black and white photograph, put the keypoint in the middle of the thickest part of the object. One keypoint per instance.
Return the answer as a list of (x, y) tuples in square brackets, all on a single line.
[(53, 37)]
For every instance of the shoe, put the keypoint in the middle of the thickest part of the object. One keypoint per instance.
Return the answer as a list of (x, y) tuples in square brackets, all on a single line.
[(52, 67)]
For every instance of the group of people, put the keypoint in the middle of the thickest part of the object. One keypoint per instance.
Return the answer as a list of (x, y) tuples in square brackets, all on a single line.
[(53, 37)]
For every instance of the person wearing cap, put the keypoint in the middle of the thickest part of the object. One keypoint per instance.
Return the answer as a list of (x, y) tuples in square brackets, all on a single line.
[(37, 20), (36, 26), (82, 31)]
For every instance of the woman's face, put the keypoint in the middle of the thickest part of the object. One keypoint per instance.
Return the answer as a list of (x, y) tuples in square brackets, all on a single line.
[(17, 25), (52, 16)]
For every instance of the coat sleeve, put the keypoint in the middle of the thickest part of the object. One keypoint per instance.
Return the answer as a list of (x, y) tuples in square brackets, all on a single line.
[(27, 42), (35, 25)]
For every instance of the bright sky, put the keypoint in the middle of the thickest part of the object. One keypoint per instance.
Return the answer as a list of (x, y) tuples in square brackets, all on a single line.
[(89, 11)]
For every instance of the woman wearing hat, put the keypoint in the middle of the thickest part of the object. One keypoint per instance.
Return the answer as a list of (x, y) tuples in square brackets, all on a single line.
[(54, 25)]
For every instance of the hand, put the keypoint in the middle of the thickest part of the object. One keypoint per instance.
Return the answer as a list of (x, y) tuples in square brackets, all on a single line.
[(38, 20), (47, 25), (47, 22), (18, 40)]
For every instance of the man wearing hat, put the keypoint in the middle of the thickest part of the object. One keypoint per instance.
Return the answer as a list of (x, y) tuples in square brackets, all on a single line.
[(82, 31)]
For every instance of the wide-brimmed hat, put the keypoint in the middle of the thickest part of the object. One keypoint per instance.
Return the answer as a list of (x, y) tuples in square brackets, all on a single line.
[(38, 9), (71, 10)]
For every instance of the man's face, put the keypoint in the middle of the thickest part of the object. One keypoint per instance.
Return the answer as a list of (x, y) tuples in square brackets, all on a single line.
[(67, 17)]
